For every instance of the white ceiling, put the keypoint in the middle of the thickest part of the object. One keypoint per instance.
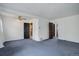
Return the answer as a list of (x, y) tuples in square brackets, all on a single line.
[(46, 10)]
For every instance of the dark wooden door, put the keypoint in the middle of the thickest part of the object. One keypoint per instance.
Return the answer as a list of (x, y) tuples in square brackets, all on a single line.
[(26, 30), (51, 30)]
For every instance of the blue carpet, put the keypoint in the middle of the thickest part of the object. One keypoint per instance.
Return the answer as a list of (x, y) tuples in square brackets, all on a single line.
[(28, 47)]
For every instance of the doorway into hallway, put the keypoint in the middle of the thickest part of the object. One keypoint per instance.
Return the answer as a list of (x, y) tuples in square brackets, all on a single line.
[(28, 30)]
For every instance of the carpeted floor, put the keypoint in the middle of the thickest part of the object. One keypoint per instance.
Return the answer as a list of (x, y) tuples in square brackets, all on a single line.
[(28, 47)]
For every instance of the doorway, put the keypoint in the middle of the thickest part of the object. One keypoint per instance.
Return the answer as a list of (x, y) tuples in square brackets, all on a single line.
[(28, 27), (51, 30)]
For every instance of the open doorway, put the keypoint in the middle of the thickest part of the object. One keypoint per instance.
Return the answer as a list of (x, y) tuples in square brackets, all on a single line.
[(51, 30), (28, 28)]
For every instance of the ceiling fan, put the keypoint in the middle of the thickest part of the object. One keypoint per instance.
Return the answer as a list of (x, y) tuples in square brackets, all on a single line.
[(24, 18)]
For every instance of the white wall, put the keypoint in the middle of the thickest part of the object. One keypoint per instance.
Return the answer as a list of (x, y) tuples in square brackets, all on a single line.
[(36, 30), (43, 29), (68, 28), (12, 28), (1, 33), (40, 28)]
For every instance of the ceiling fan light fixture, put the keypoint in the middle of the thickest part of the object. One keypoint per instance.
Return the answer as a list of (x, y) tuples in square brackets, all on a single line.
[(20, 18)]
